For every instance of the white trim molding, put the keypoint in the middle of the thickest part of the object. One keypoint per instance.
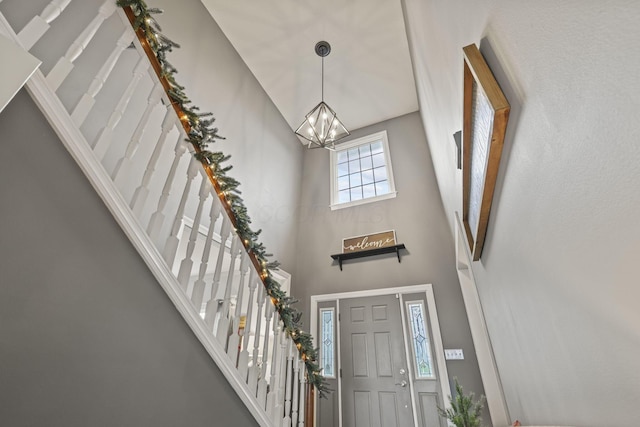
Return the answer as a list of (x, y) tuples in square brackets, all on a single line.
[(493, 391)]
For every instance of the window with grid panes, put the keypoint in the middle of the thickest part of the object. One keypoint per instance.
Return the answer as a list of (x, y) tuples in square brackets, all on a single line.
[(361, 171)]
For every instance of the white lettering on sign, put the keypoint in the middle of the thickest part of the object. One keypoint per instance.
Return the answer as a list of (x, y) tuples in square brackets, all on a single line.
[(371, 241)]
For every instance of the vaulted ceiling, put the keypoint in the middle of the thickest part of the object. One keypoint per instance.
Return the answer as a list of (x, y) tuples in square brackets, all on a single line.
[(368, 75)]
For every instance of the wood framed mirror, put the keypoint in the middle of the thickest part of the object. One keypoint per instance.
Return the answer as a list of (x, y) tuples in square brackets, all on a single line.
[(485, 116)]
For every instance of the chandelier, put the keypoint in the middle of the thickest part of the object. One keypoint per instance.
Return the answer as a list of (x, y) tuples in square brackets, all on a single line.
[(321, 127)]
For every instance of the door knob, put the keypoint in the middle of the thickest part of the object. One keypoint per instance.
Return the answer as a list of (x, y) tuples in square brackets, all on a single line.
[(402, 371), (402, 383)]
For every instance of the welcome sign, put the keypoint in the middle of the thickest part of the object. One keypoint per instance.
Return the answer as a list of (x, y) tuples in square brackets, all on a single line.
[(369, 241)]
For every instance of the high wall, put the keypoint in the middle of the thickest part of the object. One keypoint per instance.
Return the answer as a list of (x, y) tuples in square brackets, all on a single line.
[(416, 215), (87, 335), (557, 275), (266, 155)]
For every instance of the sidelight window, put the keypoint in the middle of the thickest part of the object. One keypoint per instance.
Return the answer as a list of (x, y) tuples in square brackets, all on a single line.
[(420, 340), (327, 339)]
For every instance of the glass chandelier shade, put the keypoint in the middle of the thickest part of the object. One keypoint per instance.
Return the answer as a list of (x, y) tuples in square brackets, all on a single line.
[(321, 126)]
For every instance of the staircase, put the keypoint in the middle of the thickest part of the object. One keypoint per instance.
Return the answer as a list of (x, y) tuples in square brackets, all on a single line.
[(110, 107)]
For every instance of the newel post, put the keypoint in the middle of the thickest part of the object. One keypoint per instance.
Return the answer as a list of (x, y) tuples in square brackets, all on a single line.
[(309, 406)]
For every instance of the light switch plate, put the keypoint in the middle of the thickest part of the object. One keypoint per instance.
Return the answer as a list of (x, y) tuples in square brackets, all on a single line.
[(453, 354)]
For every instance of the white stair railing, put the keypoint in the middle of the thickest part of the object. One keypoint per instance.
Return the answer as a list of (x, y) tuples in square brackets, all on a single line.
[(239, 325), (40, 24)]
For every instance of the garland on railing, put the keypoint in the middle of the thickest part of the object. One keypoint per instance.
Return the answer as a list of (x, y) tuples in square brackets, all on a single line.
[(200, 133)]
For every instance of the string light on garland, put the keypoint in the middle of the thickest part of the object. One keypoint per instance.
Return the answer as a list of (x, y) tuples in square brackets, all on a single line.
[(200, 133)]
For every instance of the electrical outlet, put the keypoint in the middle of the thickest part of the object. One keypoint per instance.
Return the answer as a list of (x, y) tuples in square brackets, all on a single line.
[(453, 354)]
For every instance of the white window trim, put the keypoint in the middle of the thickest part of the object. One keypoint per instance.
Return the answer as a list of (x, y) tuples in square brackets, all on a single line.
[(334, 168)]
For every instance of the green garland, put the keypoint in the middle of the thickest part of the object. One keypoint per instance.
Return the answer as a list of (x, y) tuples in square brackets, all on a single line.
[(201, 134)]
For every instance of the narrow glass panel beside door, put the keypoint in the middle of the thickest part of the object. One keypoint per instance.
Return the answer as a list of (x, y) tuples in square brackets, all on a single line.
[(420, 340), (327, 316)]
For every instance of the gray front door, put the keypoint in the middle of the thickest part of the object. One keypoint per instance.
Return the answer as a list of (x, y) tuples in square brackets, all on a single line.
[(375, 389)]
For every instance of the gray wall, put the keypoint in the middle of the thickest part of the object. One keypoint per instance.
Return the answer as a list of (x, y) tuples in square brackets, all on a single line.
[(420, 223), (558, 275), (87, 336), (266, 155)]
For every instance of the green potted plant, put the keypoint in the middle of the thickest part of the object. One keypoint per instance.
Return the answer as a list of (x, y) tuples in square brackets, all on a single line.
[(464, 411)]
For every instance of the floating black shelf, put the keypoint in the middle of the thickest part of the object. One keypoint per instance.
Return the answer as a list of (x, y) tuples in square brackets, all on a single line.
[(368, 252)]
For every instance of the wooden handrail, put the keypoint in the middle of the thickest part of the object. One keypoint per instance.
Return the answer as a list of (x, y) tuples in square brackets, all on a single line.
[(187, 128)]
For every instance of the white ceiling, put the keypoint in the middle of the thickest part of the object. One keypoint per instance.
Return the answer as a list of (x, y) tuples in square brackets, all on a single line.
[(368, 76)]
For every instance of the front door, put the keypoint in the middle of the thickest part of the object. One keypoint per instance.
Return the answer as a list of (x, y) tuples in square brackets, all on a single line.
[(375, 381)]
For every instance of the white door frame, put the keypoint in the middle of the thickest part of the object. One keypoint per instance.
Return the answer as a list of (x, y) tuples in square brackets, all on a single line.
[(435, 330)]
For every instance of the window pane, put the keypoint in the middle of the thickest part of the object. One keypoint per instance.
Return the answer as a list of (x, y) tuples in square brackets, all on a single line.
[(343, 169), (343, 182), (380, 174), (367, 177), (356, 193), (366, 163), (382, 187), (378, 160), (376, 147), (354, 154), (420, 340), (354, 166), (361, 171), (327, 338), (369, 190), (342, 156)]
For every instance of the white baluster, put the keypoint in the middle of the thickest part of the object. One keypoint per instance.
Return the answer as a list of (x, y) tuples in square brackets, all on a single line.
[(187, 263), (123, 166), (171, 247), (139, 198), (283, 378), (286, 421), (262, 382), (212, 304), (197, 294), (35, 29), (157, 219), (273, 396), (236, 335), (84, 106), (254, 371), (223, 325), (105, 136), (296, 387), (65, 64), (243, 360), (303, 389)]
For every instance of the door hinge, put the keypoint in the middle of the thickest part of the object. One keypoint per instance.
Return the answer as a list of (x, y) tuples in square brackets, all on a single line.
[(340, 372), (338, 317)]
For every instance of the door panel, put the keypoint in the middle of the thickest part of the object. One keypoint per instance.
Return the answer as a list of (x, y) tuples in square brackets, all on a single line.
[(373, 357), (388, 406), (428, 402), (362, 402), (383, 354)]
